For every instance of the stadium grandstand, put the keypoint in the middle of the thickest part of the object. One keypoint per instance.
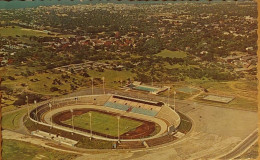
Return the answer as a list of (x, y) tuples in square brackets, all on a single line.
[(134, 105), (170, 116)]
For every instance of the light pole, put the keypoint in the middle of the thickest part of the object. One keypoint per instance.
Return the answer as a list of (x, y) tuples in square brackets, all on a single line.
[(92, 87), (51, 116), (103, 78), (118, 132), (27, 106), (36, 110), (72, 123), (168, 96), (90, 125), (76, 100), (174, 93)]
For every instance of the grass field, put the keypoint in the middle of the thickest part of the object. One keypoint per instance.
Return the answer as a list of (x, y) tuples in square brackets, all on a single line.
[(11, 121), (111, 76), (19, 31), (13, 150), (104, 123), (172, 54)]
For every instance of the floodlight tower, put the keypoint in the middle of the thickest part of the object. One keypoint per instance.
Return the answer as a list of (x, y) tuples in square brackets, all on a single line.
[(27, 105), (92, 85), (168, 96), (118, 131), (103, 78), (36, 110), (72, 121), (174, 93), (50, 105), (90, 125)]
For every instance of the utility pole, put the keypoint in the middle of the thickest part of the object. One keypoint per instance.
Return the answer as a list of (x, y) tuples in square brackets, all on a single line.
[(92, 87), (168, 96), (36, 110), (50, 111), (103, 78), (72, 123), (118, 131), (90, 125), (174, 93), (27, 106)]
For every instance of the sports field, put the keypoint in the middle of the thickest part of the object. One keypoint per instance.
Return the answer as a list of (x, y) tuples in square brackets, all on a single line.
[(104, 123)]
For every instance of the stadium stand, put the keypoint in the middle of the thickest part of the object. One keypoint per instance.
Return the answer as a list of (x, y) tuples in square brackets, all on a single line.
[(144, 111), (169, 115), (117, 106), (128, 104)]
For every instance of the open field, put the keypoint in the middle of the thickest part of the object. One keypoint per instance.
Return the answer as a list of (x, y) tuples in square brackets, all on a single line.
[(104, 123), (42, 82), (19, 31), (13, 150), (172, 54), (185, 124), (11, 121), (112, 78)]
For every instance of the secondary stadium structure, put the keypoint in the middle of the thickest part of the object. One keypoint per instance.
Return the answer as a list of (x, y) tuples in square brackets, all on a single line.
[(107, 117)]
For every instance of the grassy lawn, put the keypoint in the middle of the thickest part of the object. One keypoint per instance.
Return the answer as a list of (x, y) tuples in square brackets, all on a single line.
[(13, 150), (19, 31), (94, 143), (185, 124), (43, 83), (9, 31), (168, 66), (172, 54), (104, 123), (111, 76), (11, 121)]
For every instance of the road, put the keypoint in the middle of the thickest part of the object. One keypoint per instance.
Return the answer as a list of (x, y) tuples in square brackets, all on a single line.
[(242, 147)]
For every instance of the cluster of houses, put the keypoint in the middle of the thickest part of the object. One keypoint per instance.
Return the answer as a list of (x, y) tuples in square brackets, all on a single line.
[(241, 62)]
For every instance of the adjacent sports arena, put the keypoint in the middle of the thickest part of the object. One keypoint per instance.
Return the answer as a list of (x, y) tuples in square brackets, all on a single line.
[(95, 121)]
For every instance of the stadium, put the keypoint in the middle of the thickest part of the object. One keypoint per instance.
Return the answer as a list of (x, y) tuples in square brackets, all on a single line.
[(104, 121)]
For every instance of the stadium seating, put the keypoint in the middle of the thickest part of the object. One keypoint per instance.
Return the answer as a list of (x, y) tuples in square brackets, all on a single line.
[(117, 106), (169, 115), (134, 106), (144, 111)]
